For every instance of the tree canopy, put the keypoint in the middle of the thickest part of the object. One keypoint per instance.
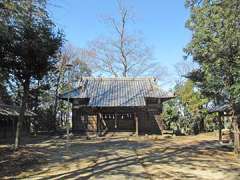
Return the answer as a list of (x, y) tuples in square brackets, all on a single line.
[(215, 46), (29, 43)]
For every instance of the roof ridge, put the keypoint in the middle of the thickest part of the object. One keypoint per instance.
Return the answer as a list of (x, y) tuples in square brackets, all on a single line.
[(120, 78)]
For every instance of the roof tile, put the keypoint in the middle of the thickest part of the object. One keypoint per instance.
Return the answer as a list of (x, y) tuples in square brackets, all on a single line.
[(124, 91)]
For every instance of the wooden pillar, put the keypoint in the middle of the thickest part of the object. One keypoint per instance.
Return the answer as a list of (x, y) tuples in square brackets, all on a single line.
[(68, 137), (220, 126), (115, 121), (4, 128), (12, 134), (99, 128), (75, 116), (136, 123), (161, 123)]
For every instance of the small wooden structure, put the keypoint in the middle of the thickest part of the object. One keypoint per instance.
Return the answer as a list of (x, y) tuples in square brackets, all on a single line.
[(8, 120), (223, 111), (117, 104)]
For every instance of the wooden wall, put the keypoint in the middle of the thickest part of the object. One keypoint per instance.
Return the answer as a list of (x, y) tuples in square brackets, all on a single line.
[(119, 122), (79, 121), (86, 119), (8, 127), (149, 122)]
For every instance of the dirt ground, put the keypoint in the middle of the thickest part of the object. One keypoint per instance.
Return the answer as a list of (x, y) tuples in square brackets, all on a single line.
[(121, 156)]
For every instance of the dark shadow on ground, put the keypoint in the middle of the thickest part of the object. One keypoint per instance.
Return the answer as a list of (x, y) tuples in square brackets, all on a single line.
[(192, 156), (201, 155), (32, 158)]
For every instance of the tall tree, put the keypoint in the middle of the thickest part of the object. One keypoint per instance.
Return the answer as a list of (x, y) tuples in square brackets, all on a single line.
[(30, 46), (123, 53), (78, 58), (215, 45)]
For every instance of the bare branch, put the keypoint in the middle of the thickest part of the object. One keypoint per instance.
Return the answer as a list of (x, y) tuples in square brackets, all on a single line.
[(123, 53)]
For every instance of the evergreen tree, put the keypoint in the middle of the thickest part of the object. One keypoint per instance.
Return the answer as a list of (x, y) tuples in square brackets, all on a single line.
[(215, 46), (28, 44)]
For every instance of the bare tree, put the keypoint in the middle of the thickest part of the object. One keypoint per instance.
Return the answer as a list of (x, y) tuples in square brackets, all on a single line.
[(182, 69), (123, 53), (78, 58)]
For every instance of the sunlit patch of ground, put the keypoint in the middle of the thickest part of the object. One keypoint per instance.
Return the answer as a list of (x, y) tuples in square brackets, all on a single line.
[(121, 156)]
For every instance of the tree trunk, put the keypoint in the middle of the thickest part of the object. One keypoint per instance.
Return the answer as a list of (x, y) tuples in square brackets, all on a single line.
[(55, 113), (55, 106), (202, 125), (22, 113), (236, 132), (236, 136)]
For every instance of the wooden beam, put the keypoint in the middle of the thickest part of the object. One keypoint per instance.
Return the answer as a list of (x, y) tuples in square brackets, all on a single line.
[(111, 110)]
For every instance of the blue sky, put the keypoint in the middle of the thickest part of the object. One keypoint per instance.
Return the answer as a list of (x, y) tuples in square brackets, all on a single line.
[(160, 22)]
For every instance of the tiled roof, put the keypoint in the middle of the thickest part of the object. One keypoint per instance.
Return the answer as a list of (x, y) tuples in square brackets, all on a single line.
[(219, 108), (109, 92)]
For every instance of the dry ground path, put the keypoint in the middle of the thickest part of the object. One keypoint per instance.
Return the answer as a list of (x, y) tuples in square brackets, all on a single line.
[(121, 156)]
